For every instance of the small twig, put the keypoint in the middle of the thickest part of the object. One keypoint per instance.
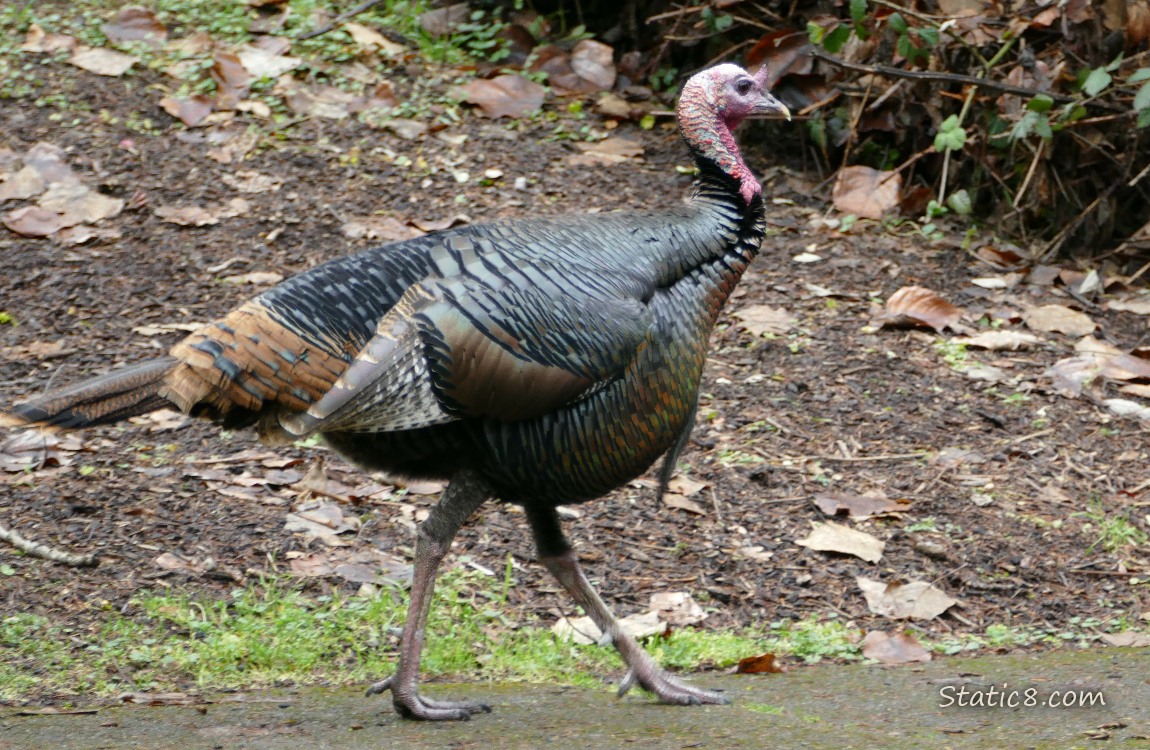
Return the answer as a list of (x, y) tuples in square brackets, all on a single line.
[(886, 457), (48, 553), (364, 6), (929, 75), (1029, 173)]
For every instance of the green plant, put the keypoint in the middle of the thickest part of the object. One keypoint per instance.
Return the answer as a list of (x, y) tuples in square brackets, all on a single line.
[(1111, 532)]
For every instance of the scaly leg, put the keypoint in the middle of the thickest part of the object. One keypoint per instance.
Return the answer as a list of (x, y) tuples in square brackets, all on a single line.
[(463, 496), (556, 555)]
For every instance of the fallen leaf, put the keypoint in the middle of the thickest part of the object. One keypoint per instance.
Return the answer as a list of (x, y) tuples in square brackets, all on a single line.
[(258, 278), (504, 96), (35, 449), (379, 229), (33, 221), (253, 182), (231, 77), (1069, 376), (37, 40), (594, 62), (899, 648), (181, 564), (677, 501), (584, 632), (438, 225), (312, 566), (321, 101), (1126, 367), (759, 320), (1127, 639), (263, 63), (998, 340), (1139, 305), (914, 599), (186, 216), (192, 111), (1136, 389), (79, 204), (155, 329), (432, 487), (1125, 408), (1059, 318), (677, 608), (685, 486), (443, 21), (135, 24), (161, 699), (833, 537), (102, 61), (859, 507), (917, 305), (369, 39), (866, 192), (761, 664)]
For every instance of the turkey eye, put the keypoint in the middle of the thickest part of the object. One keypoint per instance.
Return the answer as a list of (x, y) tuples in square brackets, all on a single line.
[(743, 87)]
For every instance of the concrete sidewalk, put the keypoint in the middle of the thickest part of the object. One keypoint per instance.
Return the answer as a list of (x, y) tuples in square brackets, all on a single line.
[(859, 706)]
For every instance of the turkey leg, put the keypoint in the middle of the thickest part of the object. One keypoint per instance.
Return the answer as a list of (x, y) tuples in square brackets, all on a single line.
[(463, 496), (556, 554)]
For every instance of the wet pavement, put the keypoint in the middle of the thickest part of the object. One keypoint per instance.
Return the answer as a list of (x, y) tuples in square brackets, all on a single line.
[(992, 702)]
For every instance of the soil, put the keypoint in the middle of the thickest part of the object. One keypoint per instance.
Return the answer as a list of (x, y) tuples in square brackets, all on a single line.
[(831, 407)]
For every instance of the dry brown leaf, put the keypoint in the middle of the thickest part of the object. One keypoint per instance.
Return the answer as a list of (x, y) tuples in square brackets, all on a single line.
[(321, 101), (379, 229), (1069, 376), (258, 278), (156, 329), (1126, 367), (834, 537), (79, 204), (101, 61), (33, 221), (677, 501), (192, 111), (186, 216), (900, 648), (1136, 389), (35, 449), (584, 632), (594, 62), (504, 96), (1127, 639), (37, 40), (763, 319), (1139, 304), (1122, 407), (685, 486), (761, 664), (443, 21), (438, 225), (312, 566), (998, 340), (866, 192), (1060, 319), (677, 608), (231, 77), (370, 39), (264, 63), (918, 305), (135, 24), (859, 507), (181, 564), (914, 599), (253, 182)]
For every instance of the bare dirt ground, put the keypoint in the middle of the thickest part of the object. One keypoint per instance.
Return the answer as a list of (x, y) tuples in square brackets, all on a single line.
[(1007, 485)]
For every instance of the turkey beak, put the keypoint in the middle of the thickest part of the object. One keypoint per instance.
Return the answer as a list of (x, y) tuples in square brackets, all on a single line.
[(769, 105)]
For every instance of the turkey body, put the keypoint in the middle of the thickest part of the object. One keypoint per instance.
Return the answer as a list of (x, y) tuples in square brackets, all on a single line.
[(539, 362), (671, 278)]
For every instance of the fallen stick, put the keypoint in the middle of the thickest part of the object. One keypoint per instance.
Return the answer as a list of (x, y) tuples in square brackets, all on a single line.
[(48, 553)]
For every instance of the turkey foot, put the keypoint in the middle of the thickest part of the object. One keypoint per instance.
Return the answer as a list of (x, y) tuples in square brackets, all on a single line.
[(411, 705), (556, 555), (463, 495), (668, 689)]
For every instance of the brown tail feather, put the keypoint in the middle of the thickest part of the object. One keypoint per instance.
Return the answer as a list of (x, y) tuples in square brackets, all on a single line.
[(108, 398)]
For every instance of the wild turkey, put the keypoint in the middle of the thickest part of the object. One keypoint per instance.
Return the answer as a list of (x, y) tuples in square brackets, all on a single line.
[(540, 362)]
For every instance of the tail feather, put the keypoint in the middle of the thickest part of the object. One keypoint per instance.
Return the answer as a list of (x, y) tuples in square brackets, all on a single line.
[(112, 397)]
